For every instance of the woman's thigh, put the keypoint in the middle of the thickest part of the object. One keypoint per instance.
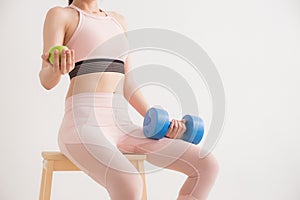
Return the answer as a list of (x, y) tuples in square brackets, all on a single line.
[(99, 157), (167, 153)]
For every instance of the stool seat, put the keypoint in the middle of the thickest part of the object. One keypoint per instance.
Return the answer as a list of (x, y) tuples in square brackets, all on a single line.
[(57, 161)]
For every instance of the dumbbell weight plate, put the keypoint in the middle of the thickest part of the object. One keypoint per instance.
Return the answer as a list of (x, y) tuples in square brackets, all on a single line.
[(194, 129), (158, 117)]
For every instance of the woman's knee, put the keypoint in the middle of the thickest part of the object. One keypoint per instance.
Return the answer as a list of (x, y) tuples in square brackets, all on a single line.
[(129, 187), (209, 164), (134, 188)]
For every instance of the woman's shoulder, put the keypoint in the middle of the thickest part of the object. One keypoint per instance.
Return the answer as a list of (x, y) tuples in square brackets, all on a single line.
[(119, 17), (59, 12)]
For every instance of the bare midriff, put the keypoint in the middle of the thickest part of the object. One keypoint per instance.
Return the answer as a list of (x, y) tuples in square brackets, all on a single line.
[(96, 82)]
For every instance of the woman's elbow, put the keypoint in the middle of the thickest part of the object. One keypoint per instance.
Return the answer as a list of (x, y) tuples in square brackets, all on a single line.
[(126, 93), (46, 86), (44, 83)]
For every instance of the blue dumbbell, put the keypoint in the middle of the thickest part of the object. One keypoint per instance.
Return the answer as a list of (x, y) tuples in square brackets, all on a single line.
[(156, 124)]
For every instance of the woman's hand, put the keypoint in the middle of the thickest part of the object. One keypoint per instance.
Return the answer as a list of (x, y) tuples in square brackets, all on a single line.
[(176, 129), (66, 64)]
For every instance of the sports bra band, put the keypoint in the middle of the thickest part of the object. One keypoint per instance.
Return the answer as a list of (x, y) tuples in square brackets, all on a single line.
[(97, 65)]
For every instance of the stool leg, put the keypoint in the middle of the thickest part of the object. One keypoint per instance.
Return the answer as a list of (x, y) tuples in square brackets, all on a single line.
[(139, 165), (42, 189), (140, 168), (46, 180)]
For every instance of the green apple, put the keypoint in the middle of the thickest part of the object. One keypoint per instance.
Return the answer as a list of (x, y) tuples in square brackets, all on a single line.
[(51, 52)]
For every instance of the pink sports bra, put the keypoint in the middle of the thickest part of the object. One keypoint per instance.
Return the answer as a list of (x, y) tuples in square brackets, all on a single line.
[(98, 40)]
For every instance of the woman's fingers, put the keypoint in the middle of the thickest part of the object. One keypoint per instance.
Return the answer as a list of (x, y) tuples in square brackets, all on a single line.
[(73, 59), (68, 60), (176, 129), (66, 63), (63, 63), (183, 125), (45, 56), (169, 133), (182, 128), (56, 66), (179, 130)]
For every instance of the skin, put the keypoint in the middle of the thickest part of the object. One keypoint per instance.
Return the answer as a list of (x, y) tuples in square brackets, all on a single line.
[(59, 25)]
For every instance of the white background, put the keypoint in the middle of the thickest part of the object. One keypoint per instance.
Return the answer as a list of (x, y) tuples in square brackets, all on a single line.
[(255, 46)]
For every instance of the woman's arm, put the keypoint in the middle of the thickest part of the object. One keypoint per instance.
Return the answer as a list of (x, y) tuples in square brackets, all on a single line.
[(53, 34), (135, 98)]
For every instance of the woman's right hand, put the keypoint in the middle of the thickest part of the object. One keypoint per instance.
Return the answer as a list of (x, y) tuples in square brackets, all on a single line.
[(67, 63), (177, 129)]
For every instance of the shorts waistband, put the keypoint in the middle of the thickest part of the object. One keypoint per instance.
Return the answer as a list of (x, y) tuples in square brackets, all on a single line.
[(95, 99)]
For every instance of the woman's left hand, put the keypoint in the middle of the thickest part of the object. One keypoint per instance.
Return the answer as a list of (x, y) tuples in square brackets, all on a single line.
[(176, 129)]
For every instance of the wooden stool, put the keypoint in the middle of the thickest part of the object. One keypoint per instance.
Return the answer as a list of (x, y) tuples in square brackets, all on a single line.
[(56, 161)]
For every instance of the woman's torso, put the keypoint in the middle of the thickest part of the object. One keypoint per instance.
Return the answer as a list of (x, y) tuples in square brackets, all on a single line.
[(87, 34)]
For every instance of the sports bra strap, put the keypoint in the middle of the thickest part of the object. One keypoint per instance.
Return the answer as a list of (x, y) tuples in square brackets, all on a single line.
[(104, 12), (82, 11), (75, 7)]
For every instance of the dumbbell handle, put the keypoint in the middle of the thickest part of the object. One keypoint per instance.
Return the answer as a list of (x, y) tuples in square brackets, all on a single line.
[(164, 128), (188, 133), (170, 122)]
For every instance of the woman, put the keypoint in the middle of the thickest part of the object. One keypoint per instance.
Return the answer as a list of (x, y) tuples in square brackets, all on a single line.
[(90, 136)]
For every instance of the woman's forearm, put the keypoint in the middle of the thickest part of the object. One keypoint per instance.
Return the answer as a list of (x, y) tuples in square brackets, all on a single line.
[(136, 98), (139, 102), (48, 78)]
